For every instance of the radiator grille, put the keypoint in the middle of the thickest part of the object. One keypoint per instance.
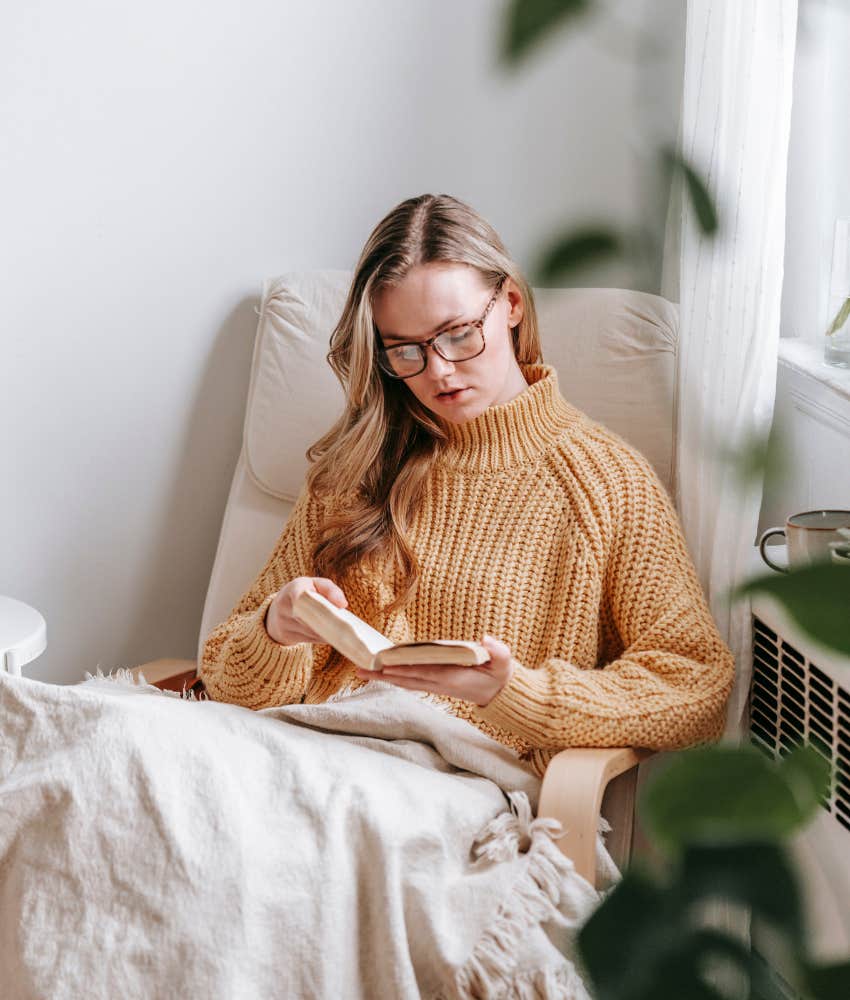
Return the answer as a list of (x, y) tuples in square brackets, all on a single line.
[(793, 701)]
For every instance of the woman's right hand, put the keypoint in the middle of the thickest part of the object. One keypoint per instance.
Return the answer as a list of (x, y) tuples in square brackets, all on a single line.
[(282, 625)]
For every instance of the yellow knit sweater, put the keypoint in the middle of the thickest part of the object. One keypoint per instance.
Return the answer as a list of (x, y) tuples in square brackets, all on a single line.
[(547, 530)]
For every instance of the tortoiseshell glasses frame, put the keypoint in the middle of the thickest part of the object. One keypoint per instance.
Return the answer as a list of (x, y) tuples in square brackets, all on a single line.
[(384, 354)]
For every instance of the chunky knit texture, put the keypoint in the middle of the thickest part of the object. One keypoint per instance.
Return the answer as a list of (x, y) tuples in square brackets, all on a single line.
[(545, 529)]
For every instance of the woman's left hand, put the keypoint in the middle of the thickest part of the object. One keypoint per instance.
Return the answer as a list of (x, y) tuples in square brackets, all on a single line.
[(479, 684)]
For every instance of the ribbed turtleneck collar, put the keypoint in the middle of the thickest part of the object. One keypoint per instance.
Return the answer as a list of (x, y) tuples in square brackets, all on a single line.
[(515, 432)]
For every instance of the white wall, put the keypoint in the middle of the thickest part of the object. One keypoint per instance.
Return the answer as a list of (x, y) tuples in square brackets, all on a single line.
[(160, 161)]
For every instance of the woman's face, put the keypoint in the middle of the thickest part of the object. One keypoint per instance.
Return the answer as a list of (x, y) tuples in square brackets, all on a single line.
[(434, 296)]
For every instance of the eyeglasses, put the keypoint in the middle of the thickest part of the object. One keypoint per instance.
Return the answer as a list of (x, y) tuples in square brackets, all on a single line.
[(460, 342)]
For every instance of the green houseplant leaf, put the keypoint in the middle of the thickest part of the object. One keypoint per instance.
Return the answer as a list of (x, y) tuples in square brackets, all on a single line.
[(755, 874), (673, 162), (527, 22), (817, 597), (573, 250), (827, 982), (724, 794), (840, 318), (639, 938)]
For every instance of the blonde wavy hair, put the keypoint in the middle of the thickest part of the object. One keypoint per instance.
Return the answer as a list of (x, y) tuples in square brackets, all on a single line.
[(379, 453)]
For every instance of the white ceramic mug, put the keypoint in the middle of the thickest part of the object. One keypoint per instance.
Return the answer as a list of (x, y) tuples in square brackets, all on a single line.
[(840, 552), (807, 535)]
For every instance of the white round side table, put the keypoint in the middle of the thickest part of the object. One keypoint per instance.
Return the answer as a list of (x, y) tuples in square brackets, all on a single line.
[(23, 634)]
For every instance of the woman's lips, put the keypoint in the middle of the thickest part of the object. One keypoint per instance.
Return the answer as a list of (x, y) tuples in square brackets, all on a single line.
[(451, 396)]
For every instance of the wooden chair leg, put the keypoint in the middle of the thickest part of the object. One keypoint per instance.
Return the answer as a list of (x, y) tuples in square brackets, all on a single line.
[(618, 807)]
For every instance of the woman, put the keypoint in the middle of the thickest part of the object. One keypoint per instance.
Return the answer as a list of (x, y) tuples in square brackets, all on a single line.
[(460, 496)]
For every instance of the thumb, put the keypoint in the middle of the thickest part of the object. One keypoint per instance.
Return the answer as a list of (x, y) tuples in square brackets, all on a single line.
[(496, 645)]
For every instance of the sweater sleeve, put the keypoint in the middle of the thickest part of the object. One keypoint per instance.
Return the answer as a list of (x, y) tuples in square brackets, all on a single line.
[(668, 687), (241, 663)]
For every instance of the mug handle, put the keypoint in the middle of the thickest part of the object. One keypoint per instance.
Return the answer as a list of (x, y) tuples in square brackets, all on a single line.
[(763, 541)]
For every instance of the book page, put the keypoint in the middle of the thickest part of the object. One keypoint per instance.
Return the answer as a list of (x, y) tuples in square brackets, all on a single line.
[(353, 637)]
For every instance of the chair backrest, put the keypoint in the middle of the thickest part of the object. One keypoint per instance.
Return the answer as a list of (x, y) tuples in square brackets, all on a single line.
[(614, 350)]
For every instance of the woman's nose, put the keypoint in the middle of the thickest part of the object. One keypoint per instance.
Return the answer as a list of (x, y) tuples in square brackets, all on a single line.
[(437, 365)]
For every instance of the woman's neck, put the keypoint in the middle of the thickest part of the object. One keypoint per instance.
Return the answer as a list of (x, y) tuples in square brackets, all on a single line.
[(514, 432), (515, 383)]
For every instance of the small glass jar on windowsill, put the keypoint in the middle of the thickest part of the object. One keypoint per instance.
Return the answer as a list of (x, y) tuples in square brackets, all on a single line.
[(837, 342)]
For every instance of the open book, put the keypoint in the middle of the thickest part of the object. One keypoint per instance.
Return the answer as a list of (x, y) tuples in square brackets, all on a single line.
[(371, 650)]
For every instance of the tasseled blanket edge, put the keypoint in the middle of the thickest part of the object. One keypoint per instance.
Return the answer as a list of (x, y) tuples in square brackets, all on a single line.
[(125, 677), (491, 970)]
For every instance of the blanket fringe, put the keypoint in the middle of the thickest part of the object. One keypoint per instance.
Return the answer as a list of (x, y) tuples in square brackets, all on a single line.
[(549, 879), (126, 678), (437, 700), (511, 832), (562, 983)]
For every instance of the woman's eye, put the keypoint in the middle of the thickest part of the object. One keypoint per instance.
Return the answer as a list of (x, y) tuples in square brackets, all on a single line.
[(409, 352), (456, 335)]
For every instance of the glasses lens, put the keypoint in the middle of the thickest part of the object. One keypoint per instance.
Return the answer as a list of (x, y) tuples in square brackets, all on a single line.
[(458, 345), (402, 361)]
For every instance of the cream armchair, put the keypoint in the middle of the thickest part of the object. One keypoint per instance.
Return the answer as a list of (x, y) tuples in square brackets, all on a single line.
[(614, 351)]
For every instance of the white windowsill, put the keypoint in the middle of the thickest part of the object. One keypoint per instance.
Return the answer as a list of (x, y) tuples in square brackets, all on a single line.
[(806, 357)]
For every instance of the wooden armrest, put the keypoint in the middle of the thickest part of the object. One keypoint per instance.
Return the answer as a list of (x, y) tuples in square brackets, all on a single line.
[(169, 674), (572, 791)]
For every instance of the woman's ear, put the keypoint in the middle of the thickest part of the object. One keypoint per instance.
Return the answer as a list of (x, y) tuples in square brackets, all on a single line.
[(515, 300)]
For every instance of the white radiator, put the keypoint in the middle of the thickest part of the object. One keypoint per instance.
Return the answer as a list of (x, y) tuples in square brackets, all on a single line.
[(800, 691)]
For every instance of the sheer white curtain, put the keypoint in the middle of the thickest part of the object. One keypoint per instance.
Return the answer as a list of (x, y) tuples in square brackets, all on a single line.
[(734, 127)]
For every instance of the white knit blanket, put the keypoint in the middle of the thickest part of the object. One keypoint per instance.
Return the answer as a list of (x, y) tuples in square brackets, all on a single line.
[(373, 846)]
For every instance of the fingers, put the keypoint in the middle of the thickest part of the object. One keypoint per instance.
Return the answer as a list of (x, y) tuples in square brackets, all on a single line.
[(422, 671), (284, 626), (330, 590), (478, 691), (496, 645), (416, 684)]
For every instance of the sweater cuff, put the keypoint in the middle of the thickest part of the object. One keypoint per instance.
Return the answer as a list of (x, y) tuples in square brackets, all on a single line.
[(264, 672), (522, 707)]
